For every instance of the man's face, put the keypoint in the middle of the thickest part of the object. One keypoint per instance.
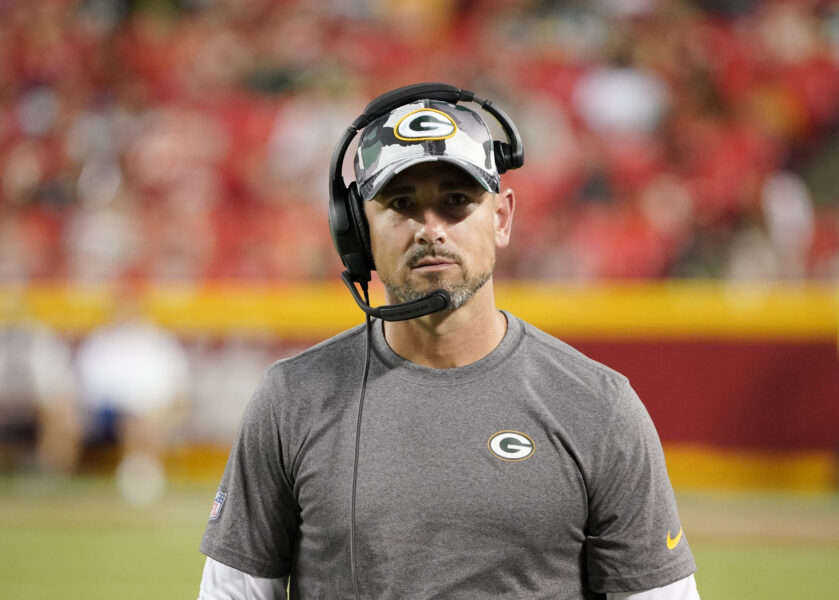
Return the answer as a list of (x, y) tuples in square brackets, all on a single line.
[(433, 226)]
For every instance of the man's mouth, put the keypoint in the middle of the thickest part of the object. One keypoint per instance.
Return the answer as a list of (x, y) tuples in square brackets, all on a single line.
[(429, 263), (432, 261)]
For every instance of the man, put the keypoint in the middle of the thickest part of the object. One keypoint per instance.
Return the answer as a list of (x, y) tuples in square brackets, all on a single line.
[(493, 461)]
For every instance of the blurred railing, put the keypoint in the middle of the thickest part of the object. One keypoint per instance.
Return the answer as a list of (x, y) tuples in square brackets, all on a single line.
[(741, 380), (309, 311)]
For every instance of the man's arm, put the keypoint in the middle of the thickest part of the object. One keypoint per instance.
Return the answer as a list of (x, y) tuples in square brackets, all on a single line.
[(684, 589), (632, 508), (221, 582)]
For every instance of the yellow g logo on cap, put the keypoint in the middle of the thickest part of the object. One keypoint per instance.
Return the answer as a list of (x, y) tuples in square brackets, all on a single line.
[(425, 124)]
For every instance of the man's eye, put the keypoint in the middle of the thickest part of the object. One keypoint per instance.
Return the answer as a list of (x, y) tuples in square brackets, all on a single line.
[(400, 203), (457, 199)]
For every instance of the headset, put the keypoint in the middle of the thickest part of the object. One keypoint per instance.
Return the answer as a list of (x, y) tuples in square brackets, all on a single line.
[(350, 234), (347, 223)]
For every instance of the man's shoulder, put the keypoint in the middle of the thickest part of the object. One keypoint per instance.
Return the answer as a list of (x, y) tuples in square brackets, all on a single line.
[(562, 358), (329, 355), (589, 393), (315, 375)]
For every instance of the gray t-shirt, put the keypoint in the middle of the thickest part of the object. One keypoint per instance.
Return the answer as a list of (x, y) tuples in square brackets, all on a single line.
[(532, 473)]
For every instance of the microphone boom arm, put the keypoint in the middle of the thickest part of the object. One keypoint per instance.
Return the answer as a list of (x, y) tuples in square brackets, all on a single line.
[(433, 301)]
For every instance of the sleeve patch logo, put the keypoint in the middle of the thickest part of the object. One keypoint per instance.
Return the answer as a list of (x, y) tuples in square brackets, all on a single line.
[(218, 502), (423, 125), (511, 446)]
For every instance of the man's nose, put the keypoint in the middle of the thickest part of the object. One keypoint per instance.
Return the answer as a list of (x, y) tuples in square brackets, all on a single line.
[(431, 228)]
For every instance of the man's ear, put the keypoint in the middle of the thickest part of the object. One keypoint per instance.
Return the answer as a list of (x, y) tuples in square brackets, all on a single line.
[(505, 207)]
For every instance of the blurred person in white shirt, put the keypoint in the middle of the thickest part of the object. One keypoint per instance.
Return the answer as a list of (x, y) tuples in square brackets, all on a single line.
[(134, 377)]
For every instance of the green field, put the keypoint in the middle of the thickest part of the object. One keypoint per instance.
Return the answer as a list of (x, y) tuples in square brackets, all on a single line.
[(78, 540)]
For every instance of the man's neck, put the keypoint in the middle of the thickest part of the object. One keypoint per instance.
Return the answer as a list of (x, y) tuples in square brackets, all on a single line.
[(451, 339)]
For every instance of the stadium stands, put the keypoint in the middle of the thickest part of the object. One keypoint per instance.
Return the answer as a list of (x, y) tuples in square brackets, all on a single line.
[(188, 140)]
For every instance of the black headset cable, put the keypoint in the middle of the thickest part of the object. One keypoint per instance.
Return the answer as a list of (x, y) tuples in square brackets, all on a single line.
[(358, 443)]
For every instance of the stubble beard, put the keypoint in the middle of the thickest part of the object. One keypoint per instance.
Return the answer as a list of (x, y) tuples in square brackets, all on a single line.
[(460, 293)]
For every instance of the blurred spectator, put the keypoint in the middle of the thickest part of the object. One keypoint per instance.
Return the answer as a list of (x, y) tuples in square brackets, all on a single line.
[(620, 99), (751, 257), (102, 243), (301, 142), (38, 398), (789, 217), (133, 379), (224, 377)]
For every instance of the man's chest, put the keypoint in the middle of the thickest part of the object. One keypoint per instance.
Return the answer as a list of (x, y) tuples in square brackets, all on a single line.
[(444, 466)]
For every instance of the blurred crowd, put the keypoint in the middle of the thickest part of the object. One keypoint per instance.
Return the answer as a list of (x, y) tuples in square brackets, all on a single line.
[(189, 140)]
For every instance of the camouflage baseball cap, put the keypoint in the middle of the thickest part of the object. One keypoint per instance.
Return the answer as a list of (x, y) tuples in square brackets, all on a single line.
[(424, 131)]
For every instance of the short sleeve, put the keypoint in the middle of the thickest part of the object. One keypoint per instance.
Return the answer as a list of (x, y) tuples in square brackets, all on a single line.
[(635, 539), (254, 515)]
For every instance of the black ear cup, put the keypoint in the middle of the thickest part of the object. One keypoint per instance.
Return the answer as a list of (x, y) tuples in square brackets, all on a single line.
[(503, 156), (350, 236), (362, 228)]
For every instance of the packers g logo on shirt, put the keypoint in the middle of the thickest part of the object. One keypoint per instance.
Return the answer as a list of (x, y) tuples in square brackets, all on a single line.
[(511, 445), (423, 125)]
